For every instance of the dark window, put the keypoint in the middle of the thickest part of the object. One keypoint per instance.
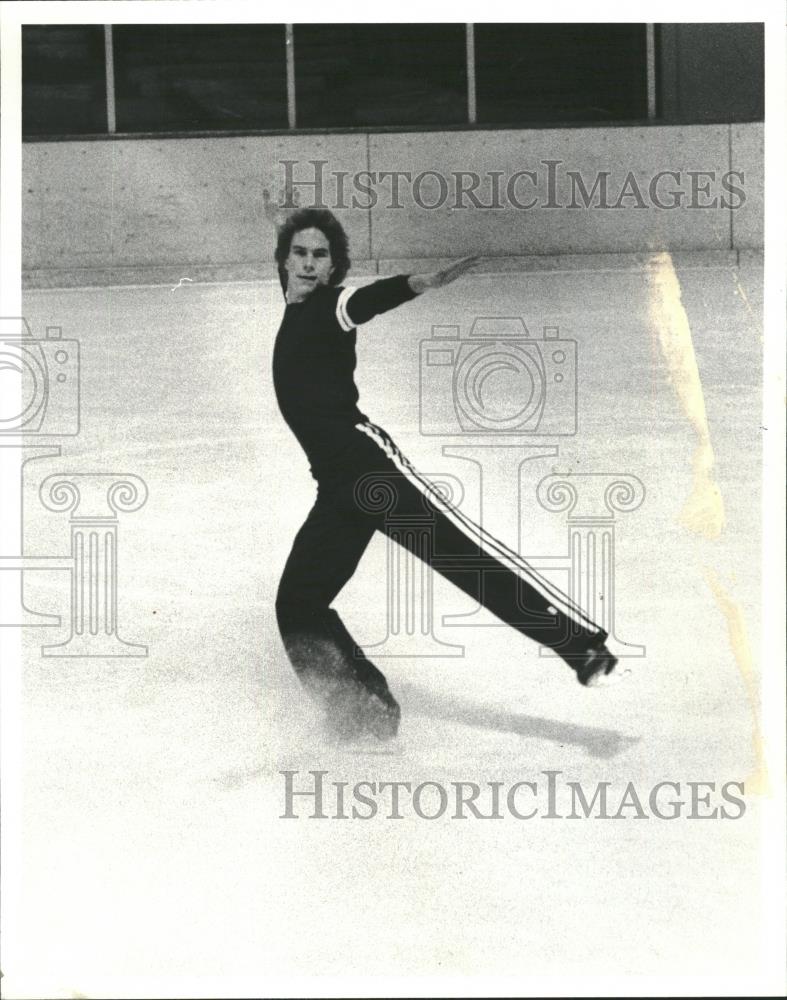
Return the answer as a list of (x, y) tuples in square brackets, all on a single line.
[(200, 77), (380, 74), (224, 78), (64, 79), (560, 72), (712, 72)]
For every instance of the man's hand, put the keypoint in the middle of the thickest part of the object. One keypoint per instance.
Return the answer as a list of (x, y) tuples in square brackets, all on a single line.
[(274, 211), (422, 282)]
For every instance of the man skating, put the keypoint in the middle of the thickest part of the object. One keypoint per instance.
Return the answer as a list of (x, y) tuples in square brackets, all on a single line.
[(313, 370)]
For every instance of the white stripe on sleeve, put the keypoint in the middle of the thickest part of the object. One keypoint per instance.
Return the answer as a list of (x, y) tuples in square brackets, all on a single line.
[(341, 310)]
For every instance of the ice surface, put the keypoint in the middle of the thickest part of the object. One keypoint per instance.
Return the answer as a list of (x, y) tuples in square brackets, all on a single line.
[(153, 842)]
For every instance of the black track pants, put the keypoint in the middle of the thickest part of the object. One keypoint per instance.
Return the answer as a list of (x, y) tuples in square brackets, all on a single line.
[(376, 489)]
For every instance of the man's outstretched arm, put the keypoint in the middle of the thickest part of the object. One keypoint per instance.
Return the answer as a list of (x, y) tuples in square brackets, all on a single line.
[(420, 283), (359, 305)]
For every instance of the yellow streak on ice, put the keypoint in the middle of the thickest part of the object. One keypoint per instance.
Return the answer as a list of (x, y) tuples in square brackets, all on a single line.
[(756, 784), (703, 512)]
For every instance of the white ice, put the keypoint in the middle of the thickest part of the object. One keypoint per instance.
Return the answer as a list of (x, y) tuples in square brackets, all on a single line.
[(154, 851)]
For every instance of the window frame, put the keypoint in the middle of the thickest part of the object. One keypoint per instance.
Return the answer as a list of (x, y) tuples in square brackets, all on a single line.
[(471, 124)]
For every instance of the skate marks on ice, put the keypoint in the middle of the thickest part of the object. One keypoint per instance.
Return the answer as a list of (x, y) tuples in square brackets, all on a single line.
[(302, 742), (596, 741), (328, 754), (310, 746)]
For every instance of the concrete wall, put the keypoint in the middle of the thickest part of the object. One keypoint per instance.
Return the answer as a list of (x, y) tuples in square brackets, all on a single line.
[(748, 154), (135, 210)]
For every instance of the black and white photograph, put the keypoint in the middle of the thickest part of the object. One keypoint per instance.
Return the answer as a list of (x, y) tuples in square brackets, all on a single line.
[(392, 490)]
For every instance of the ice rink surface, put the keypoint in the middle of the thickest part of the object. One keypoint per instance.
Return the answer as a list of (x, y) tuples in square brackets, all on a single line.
[(155, 852)]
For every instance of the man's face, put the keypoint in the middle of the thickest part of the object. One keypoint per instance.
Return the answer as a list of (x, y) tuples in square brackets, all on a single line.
[(308, 264)]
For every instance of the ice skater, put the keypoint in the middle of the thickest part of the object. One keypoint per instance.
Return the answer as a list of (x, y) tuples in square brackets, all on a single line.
[(313, 373)]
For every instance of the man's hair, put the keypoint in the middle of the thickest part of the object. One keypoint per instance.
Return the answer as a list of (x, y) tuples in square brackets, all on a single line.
[(329, 226)]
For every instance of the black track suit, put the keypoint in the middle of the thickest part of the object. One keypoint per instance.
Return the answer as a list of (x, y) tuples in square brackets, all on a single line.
[(364, 484)]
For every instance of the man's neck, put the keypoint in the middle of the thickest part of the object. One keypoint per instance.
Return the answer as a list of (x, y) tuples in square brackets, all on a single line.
[(293, 299)]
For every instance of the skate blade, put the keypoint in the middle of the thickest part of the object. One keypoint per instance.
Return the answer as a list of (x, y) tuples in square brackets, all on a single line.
[(615, 676)]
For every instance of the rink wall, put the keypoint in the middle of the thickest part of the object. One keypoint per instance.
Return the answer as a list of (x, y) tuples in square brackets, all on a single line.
[(142, 210)]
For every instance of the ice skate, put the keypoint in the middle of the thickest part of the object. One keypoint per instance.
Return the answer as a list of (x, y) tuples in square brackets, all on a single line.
[(359, 713), (597, 667)]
